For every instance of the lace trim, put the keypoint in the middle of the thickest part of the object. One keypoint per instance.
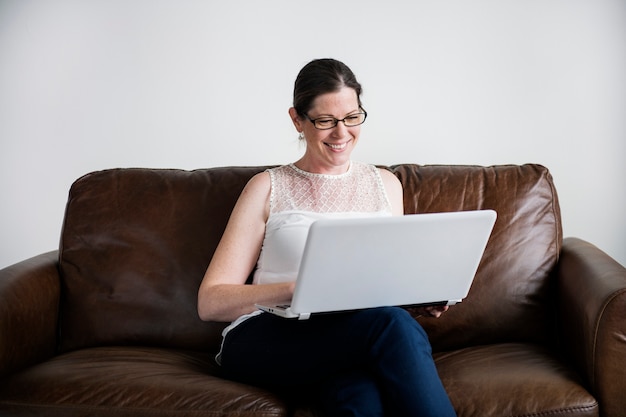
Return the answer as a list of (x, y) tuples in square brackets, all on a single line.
[(328, 176)]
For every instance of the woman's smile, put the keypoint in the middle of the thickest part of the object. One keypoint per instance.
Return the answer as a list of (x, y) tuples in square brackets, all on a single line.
[(337, 147)]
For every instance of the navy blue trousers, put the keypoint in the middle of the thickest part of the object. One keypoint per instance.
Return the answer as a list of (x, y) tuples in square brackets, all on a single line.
[(366, 363)]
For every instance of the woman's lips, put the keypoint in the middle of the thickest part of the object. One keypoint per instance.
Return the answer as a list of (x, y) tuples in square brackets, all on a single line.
[(337, 146)]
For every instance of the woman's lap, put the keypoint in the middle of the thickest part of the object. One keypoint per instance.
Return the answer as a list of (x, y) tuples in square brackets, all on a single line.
[(349, 356)]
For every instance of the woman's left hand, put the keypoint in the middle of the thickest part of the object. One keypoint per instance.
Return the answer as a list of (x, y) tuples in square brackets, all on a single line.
[(431, 311)]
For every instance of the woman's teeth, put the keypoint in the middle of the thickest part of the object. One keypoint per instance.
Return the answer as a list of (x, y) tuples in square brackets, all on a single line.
[(337, 147)]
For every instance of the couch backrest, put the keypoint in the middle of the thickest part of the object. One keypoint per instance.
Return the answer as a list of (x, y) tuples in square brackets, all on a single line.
[(134, 247), (136, 242), (511, 297)]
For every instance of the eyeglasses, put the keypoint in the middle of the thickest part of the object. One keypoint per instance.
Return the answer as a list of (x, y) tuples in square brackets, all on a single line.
[(326, 122)]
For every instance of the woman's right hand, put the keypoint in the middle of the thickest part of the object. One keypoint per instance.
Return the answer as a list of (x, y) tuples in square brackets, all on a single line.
[(223, 294)]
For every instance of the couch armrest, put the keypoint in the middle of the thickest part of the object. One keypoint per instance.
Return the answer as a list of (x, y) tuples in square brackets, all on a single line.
[(592, 308), (29, 310)]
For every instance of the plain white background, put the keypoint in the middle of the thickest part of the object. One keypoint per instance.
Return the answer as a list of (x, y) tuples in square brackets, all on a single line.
[(89, 85)]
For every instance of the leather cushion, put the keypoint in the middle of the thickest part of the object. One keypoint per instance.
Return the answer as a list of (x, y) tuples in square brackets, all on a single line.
[(489, 381), (511, 298), (134, 247), (132, 381), (512, 379)]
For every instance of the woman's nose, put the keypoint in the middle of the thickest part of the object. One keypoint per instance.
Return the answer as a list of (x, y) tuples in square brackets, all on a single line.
[(340, 130)]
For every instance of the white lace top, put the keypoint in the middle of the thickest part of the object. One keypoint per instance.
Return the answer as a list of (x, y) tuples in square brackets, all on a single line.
[(297, 199)]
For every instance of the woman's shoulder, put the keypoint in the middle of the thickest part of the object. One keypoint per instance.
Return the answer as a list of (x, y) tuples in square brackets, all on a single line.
[(259, 182), (394, 190), (257, 190), (388, 175)]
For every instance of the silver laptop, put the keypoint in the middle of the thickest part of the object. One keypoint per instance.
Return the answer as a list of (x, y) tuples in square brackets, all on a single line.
[(417, 259)]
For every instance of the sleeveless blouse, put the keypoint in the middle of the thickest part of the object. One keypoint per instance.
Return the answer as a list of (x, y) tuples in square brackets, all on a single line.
[(298, 198)]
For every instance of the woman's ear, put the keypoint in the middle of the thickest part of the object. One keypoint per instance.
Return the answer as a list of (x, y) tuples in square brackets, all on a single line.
[(295, 118)]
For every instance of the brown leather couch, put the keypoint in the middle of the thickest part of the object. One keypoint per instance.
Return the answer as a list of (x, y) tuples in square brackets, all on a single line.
[(107, 325)]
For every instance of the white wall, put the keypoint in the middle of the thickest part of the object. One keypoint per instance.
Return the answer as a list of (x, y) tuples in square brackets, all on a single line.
[(88, 85)]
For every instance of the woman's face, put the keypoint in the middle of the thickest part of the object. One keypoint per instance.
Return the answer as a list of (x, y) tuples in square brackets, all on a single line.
[(328, 151)]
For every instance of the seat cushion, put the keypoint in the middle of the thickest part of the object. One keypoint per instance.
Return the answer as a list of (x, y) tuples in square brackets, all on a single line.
[(128, 381), (512, 379), (519, 380)]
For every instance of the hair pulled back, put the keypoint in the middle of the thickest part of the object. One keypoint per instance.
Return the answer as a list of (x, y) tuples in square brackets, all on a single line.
[(322, 76)]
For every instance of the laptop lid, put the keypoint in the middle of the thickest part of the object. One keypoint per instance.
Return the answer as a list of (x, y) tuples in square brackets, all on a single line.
[(357, 263)]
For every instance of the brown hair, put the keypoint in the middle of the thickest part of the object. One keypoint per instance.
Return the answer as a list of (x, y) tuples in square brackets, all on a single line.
[(322, 76)]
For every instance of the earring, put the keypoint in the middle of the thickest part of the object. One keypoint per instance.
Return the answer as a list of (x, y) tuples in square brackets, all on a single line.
[(301, 136)]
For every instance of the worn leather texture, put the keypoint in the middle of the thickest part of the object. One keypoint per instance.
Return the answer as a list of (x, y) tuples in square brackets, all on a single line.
[(512, 283), (134, 247), (107, 326)]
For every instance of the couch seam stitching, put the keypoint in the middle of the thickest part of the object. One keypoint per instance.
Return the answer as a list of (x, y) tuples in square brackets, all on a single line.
[(560, 410)]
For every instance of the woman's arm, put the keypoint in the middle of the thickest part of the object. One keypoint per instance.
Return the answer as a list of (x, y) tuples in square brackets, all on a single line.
[(223, 295)]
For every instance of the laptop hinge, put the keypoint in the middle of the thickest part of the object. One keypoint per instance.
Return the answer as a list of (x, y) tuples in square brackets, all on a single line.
[(304, 316)]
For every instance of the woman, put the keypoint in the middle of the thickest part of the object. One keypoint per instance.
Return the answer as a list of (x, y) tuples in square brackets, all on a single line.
[(371, 362)]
